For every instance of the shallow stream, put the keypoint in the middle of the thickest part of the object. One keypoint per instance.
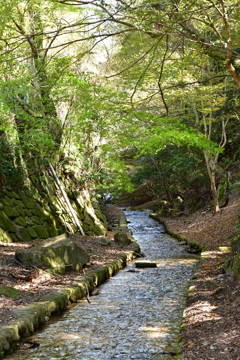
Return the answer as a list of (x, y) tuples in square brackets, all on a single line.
[(137, 314)]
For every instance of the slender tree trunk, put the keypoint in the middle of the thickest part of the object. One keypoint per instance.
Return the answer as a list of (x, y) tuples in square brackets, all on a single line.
[(211, 162), (165, 186)]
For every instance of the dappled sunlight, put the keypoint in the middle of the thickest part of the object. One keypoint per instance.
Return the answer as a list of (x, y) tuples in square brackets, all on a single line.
[(70, 336), (155, 332), (202, 311)]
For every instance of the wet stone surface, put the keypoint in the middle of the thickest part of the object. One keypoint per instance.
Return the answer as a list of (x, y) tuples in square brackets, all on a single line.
[(136, 315)]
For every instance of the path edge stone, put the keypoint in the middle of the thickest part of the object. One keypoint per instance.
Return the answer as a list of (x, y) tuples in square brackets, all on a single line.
[(193, 244), (196, 246), (30, 317)]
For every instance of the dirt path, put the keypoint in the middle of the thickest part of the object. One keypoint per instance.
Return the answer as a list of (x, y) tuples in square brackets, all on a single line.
[(212, 317)]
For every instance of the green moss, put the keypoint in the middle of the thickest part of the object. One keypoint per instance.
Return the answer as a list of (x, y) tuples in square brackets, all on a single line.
[(100, 275), (20, 221), (224, 248), (51, 220), (122, 238), (9, 291), (28, 212), (13, 194), (7, 201), (40, 213), (32, 232), (4, 346), (29, 221), (5, 223), (56, 254), (19, 206), (41, 231), (5, 237), (98, 229), (52, 230), (28, 202), (87, 219), (20, 210), (100, 216), (14, 238), (36, 220), (60, 230), (22, 234)]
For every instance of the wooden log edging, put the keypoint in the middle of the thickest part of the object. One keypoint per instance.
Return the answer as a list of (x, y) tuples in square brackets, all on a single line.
[(30, 317)]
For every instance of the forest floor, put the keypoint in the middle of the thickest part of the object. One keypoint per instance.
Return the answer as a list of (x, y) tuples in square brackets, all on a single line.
[(212, 317)]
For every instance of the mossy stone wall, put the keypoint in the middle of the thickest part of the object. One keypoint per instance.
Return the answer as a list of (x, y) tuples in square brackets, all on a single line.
[(26, 215)]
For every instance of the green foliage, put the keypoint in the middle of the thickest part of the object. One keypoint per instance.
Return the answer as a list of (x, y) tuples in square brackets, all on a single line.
[(162, 103), (11, 171), (173, 171)]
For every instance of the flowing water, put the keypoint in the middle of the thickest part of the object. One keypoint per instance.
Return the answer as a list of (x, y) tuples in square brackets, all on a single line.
[(137, 314)]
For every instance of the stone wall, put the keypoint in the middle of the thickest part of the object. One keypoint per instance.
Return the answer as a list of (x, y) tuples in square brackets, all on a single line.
[(26, 215)]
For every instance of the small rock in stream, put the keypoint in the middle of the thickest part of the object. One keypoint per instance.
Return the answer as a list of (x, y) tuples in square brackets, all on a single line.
[(95, 292)]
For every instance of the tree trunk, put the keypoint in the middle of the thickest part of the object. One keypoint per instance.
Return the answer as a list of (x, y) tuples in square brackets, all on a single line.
[(211, 162)]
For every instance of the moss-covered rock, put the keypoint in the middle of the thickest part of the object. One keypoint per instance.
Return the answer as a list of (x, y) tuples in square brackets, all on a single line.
[(121, 238), (20, 221), (40, 212), (60, 230), (87, 220), (41, 231), (10, 212), (32, 232), (5, 223), (57, 254), (28, 202), (19, 207), (228, 265), (98, 229), (9, 291), (29, 221), (52, 230), (4, 236), (53, 221), (235, 242), (7, 201), (28, 212), (103, 241), (36, 220), (22, 234), (101, 217), (13, 194), (236, 266), (14, 237)]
